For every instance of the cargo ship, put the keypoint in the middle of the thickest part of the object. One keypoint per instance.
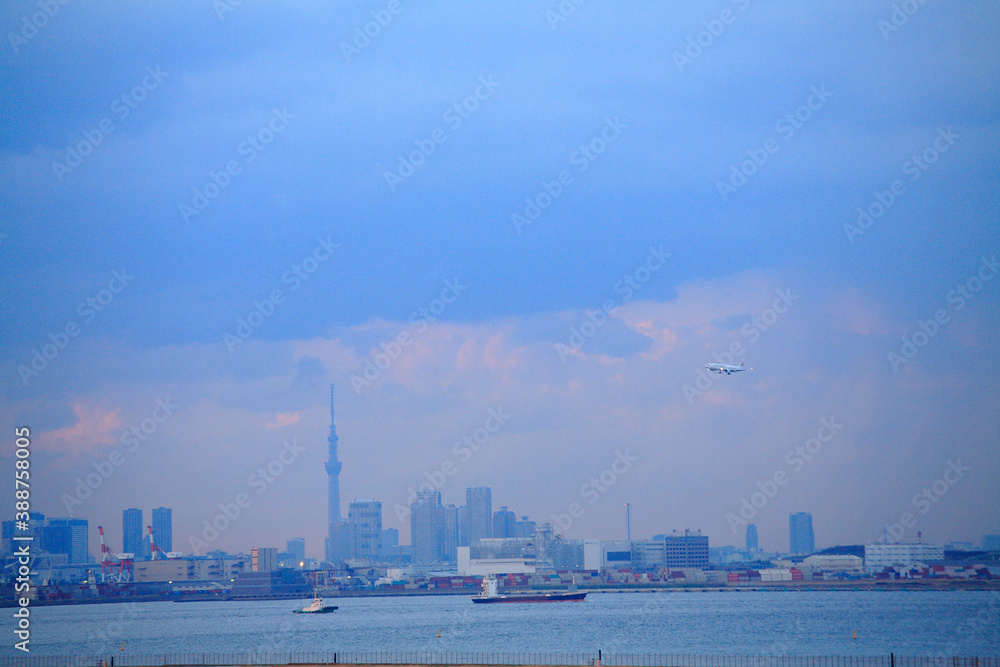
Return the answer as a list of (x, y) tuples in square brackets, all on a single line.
[(490, 594)]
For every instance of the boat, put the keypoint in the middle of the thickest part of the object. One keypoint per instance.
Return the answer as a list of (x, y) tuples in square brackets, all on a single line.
[(316, 607), (490, 594)]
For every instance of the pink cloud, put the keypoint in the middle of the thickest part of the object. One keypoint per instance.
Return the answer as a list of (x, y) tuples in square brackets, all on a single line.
[(283, 419), (96, 427)]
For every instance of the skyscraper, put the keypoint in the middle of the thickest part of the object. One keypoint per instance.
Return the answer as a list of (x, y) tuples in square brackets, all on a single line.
[(503, 522), (390, 545), (479, 513), (163, 528), (800, 533), (79, 545), (365, 519), (132, 532), (423, 517), (338, 541), (752, 537), (446, 534)]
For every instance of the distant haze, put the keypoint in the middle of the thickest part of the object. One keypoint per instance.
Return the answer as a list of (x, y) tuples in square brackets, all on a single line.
[(205, 220)]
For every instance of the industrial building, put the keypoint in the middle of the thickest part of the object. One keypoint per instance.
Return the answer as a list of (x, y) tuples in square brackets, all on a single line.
[(263, 559), (880, 556), (191, 568)]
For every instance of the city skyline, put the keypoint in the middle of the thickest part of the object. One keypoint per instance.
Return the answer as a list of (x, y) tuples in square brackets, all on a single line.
[(364, 532)]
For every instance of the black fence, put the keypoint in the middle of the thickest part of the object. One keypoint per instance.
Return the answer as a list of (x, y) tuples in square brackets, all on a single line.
[(592, 658)]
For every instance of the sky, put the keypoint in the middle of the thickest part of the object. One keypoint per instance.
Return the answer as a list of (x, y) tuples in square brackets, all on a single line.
[(524, 225)]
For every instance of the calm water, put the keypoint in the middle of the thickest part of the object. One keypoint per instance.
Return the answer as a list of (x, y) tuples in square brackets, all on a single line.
[(770, 623)]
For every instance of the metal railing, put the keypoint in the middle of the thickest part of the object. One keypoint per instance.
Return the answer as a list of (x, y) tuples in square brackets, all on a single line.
[(590, 658)]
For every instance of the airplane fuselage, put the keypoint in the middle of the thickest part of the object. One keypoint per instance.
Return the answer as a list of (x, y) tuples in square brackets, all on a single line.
[(723, 368)]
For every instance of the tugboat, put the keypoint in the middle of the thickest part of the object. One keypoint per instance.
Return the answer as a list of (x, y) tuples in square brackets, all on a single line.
[(316, 607), (490, 594)]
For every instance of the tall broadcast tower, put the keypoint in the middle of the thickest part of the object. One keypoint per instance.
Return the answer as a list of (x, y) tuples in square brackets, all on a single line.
[(333, 472), (338, 541)]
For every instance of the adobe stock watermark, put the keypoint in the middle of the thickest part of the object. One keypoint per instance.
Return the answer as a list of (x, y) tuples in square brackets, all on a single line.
[(30, 25), (455, 116), (594, 488), (463, 449), (898, 17), (751, 331), (223, 7), (132, 438), (796, 459), (230, 512), (88, 310), (702, 40), (562, 12), (915, 167), (420, 319), (582, 158), (121, 107), (924, 500), (594, 320), (293, 278), (786, 127), (248, 149), (363, 35), (957, 297), (114, 629)]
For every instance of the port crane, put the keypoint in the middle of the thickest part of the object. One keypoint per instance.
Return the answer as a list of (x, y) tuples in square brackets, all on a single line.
[(116, 567), (153, 549)]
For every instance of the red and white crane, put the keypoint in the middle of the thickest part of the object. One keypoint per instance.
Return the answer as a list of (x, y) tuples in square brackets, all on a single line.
[(153, 549), (117, 567)]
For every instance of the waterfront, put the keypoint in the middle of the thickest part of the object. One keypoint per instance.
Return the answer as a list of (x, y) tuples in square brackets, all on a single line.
[(932, 623)]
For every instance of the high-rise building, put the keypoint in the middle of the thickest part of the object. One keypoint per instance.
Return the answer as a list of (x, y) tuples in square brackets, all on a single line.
[(423, 518), (132, 541), (79, 539), (55, 539), (338, 540), (365, 519), (463, 526), (752, 537), (7, 535), (446, 534), (296, 547), (503, 522), (478, 514), (800, 533), (390, 545), (163, 528), (991, 542)]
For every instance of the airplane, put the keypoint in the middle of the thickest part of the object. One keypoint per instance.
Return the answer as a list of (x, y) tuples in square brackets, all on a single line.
[(723, 368)]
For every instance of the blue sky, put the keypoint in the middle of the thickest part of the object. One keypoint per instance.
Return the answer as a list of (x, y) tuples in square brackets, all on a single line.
[(329, 123)]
